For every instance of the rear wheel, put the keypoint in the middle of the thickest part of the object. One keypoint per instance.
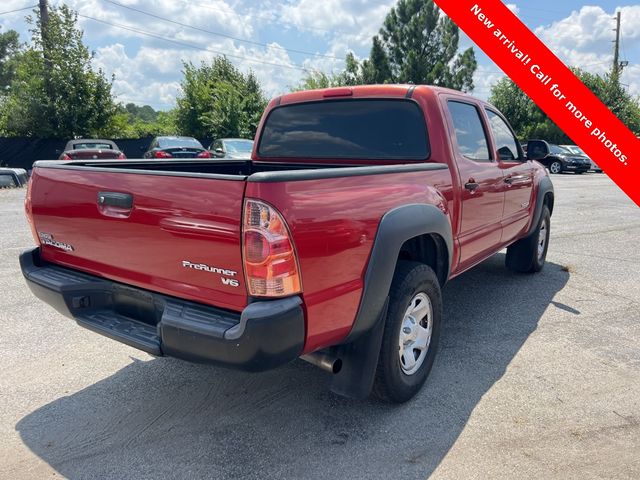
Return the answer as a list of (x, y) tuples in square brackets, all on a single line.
[(529, 254), (555, 167), (411, 334)]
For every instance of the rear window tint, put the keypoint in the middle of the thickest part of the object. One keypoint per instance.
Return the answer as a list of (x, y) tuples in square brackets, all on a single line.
[(91, 146), (366, 129), (169, 142)]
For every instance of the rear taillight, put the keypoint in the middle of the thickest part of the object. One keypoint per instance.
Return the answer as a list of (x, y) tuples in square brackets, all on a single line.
[(122, 156), (204, 154), (270, 261), (162, 154), (64, 156)]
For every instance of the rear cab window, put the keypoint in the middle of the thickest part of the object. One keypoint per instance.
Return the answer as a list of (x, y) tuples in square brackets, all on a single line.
[(376, 129)]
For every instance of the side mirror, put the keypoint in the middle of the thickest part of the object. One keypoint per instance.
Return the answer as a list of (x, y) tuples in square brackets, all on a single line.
[(220, 151)]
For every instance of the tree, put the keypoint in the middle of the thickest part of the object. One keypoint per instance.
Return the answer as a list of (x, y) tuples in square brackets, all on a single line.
[(9, 47), (132, 121), (63, 97), (376, 69), (218, 101), (422, 47), (416, 44), (529, 121)]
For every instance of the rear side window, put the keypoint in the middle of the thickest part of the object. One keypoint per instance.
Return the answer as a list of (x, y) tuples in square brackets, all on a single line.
[(470, 134), (363, 129)]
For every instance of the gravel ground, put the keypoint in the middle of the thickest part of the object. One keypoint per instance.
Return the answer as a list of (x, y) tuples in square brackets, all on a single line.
[(538, 377)]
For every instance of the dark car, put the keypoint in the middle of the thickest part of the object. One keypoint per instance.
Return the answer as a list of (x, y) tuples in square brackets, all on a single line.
[(578, 151), (91, 149), (234, 148), (556, 158), (176, 147)]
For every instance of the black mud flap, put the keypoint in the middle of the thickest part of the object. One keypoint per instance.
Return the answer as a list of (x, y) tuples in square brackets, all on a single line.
[(359, 361)]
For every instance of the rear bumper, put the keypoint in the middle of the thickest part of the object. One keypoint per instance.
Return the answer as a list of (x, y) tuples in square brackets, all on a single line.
[(265, 335)]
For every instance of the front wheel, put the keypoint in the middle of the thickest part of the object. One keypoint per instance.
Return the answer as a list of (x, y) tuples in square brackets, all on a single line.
[(411, 333), (555, 167)]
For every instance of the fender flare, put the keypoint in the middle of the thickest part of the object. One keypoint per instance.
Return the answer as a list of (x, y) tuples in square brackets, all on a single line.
[(544, 186), (395, 228)]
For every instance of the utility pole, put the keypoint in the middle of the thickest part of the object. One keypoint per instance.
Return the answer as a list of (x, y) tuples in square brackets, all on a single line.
[(44, 17), (44, 32), (616, 50), (46, 46)]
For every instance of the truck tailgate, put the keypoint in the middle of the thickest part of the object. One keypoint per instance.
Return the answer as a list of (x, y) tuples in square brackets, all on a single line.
[(180, 236)]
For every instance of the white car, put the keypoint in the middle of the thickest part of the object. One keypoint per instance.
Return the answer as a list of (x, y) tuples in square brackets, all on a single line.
[(576, 150)]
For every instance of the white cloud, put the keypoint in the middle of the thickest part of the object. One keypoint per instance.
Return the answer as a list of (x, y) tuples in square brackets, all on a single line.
[(148, 69), (584, 39)]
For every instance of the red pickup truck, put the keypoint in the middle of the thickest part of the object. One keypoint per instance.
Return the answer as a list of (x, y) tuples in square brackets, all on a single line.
[(331, 244)]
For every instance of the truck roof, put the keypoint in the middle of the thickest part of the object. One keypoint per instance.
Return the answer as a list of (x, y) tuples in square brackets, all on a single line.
[(360, 91)]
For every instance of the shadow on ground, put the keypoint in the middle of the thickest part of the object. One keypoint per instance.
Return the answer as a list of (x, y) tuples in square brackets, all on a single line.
[(173, 419)]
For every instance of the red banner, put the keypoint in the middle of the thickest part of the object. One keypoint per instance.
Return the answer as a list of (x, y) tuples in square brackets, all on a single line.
[(552, 86)]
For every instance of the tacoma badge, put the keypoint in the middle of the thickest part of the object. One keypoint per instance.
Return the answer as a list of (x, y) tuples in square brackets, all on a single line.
[(47, 239)]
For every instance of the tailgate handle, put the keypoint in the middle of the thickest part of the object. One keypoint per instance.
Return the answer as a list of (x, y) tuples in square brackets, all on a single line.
[(115, 199)]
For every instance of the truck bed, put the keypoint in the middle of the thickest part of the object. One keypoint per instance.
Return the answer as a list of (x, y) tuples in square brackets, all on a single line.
[(182, 227)]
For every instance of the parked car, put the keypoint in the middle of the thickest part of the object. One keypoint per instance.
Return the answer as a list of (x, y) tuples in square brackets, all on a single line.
[(556, 158), (176, 147), (233, 148), (576, 150), (13, 177), (85, 148), (331, 244)]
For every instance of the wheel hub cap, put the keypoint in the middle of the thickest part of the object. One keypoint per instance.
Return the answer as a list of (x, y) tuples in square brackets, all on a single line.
[(415, 333), (542, 239)]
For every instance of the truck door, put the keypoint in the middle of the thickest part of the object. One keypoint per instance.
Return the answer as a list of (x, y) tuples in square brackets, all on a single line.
[(482, 191), (518, 177)]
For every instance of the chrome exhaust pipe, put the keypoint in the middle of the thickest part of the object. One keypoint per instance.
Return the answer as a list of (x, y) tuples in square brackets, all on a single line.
[(324, 361)]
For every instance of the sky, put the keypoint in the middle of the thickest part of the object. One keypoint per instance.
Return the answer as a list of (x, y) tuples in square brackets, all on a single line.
[(283, 40)]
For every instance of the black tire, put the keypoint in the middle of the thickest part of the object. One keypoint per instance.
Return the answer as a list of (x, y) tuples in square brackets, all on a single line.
[(392, 384), (556, 167), (579, 173), (523, 256)]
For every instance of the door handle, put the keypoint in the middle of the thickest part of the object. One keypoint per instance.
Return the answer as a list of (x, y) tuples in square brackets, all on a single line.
[(115, 199), (516, 178), (471, 185)]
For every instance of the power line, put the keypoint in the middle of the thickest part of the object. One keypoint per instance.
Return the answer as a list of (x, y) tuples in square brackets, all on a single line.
[(18, 10), (196, 47), (265, 17), (218, 33)]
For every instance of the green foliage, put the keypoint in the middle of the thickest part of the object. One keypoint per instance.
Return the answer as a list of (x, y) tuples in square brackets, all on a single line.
[(9, 47), (146, 113), (219, 101), (132, 121), (416, 44), (422, 45), (55, 92), (530, 122)]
